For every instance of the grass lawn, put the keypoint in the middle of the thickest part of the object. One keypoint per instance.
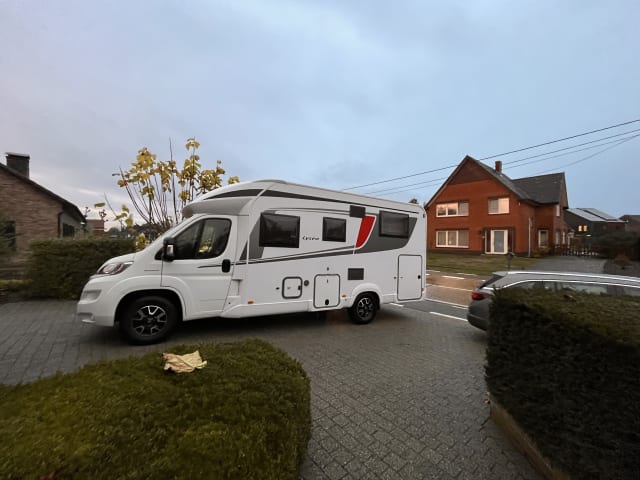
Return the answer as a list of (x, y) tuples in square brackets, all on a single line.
[(478, 264)]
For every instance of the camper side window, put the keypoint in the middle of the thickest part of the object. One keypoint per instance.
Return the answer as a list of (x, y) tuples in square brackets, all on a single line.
[(206, 239), (334, 229), (279, 230), (394, 225)]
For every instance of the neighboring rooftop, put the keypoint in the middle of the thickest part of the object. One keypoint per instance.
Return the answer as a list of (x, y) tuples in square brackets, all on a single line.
[(594, 215)]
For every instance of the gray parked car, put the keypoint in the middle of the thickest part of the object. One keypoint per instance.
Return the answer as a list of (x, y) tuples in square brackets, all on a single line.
[(478, 314)]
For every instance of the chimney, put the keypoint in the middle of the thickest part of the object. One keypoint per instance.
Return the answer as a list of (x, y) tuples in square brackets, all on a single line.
[(499, 166), (18, 162)]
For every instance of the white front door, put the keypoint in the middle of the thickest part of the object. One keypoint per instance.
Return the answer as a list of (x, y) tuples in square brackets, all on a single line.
[(409, 277), (498, 241), (197, 272)]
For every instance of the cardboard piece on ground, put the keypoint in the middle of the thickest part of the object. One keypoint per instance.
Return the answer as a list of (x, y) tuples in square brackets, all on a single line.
[(183, 363)]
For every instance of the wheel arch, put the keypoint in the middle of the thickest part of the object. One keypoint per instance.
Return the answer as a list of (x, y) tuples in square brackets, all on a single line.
[(366, 288), (169, 295)]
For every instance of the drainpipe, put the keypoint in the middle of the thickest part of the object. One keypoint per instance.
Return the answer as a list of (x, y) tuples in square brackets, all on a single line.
[(529, 238)]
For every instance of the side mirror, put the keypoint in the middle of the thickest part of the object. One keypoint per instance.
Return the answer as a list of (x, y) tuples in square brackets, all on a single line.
[(168, 250), (226, 265)]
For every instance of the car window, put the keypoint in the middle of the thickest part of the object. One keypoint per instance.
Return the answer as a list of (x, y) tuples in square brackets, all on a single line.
[(535, 285), (490, 281), (596, 288), (204, 239)]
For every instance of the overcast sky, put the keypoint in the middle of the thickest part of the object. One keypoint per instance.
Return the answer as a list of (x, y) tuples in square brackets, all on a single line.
[(330, 93)]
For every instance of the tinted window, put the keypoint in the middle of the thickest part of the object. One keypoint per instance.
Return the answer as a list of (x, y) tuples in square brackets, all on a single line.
[(596, 288), (394, 225), (334, 229), (279, 230), (490, 281), (535, 285), (206, 239)]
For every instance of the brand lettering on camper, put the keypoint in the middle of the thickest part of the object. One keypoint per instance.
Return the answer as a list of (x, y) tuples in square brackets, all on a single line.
[(310, 238)]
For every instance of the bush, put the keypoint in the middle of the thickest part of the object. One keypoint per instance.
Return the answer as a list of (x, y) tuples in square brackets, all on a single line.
[(245, 415), (12, 289), (566, 369), (619, 243), (59, 268)]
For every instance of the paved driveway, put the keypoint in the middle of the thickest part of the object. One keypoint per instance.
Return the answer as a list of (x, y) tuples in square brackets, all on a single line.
[(403, 397)]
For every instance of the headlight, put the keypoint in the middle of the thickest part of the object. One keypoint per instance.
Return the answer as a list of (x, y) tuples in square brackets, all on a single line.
[(113, 268)]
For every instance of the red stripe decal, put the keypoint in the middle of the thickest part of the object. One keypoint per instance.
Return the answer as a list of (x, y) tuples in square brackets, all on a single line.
[(365, 230)]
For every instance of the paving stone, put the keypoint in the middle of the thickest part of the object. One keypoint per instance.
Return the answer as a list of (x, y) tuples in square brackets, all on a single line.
[(403, 397)]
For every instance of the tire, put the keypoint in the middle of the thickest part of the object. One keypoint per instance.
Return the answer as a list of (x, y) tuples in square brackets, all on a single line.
[(364, 309), (148, 320)]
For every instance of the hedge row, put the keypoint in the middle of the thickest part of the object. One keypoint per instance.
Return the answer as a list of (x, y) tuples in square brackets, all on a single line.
[(566, 369), (59, 268), (245, 415)]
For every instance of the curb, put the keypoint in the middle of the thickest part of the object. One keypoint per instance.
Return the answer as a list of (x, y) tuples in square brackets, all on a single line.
[(523, 443)]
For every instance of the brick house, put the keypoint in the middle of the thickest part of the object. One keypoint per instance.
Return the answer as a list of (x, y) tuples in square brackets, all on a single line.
[(31, 211), (479, 209)]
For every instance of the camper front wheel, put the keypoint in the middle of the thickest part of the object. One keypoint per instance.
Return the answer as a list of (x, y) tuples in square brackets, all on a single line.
[(148, 320), (364, 309)]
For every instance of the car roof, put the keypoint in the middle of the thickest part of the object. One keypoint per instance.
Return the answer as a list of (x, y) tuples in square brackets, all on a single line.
[(569, 276)]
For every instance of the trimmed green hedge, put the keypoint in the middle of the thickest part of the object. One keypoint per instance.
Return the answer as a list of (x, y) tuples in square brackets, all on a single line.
[(245, 415), (59, 268), (567, 369)]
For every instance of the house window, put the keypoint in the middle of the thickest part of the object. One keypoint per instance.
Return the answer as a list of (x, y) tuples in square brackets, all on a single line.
[(557, 210), (8, 234), (68, 230), (455, 209), (394, 225), (279, 230), (543, 238), (334, 229), (498, 205), (557, 239), (452, 238)]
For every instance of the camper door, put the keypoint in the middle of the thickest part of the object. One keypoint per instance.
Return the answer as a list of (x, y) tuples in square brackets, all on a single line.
[(202, 264)]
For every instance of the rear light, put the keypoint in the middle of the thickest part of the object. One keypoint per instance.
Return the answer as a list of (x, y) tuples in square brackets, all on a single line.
[(478, 296)]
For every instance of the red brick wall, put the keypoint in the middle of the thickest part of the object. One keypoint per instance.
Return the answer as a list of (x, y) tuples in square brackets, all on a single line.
[(35, 213)]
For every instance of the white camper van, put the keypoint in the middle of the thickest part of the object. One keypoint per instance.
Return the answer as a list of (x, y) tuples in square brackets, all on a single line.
[(261, 248)]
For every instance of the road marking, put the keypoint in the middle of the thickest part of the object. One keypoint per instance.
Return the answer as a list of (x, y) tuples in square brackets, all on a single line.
[(454, 305), (437, 271), (452, 288), (448, 316), (396, 305), (451, 276)]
